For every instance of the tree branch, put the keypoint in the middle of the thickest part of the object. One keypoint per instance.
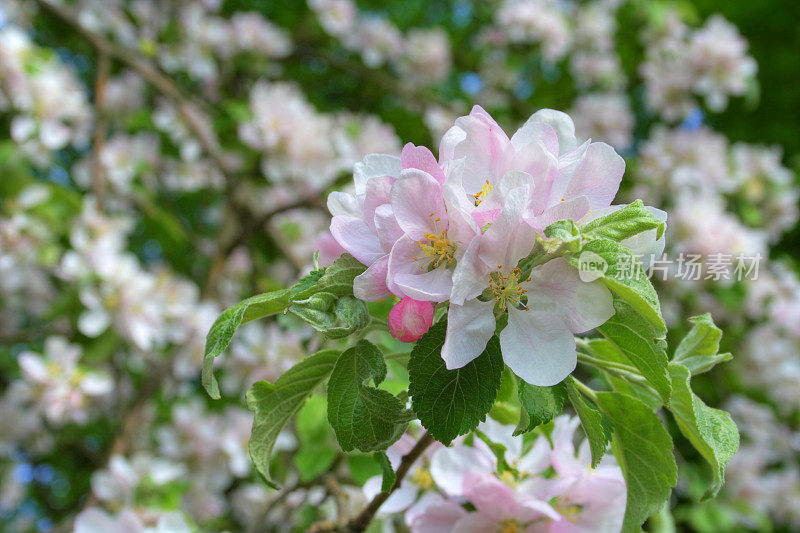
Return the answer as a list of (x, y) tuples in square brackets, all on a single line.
[(363, 519)]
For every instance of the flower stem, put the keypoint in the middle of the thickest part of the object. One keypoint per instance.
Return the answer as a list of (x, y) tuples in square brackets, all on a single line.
[(585, 389)]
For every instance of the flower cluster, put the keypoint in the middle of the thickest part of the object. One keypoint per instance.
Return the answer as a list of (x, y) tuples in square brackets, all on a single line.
[(711, 62), (51, 105), (542, 485), (296, 140), (457, 229), (422, 55)]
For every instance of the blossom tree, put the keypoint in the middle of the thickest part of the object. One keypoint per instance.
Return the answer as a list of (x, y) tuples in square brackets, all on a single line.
[(338, 265)]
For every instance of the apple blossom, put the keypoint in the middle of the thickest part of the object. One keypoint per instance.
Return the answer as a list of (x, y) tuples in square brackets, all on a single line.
[(575, 498)]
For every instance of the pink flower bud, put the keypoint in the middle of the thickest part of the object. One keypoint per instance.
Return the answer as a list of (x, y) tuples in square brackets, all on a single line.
[(409, 319)]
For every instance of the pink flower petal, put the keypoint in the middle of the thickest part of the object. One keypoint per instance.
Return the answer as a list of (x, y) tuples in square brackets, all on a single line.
[(370, 285), (421, 158), (418, 204)]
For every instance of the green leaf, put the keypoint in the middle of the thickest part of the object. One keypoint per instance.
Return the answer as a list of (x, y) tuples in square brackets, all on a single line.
[(364, 418), (497, 448), (389, 476), (275, 403), (643, 449), (565, 234), (712, 431), (362, 467), (596, 425), (306, 286), (332, 315), (606, 351), (623, 274), (450, 403), (313, 460), (540, 405), (311, 421), (698, 349), (641, 344), (508, 386), (623, 223), (221, 333), (640, 391), (338, 278)]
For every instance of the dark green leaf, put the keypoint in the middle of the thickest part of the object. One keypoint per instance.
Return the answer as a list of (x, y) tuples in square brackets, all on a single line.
[(275, 403), (540, 405), (596, 425), (364, 418), (450, 403)]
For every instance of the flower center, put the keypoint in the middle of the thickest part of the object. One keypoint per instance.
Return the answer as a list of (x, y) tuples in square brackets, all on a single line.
[(438, 249), (481, 195), (508, 526), (507, 289), (570, 511), (422, 478), (508, 478)]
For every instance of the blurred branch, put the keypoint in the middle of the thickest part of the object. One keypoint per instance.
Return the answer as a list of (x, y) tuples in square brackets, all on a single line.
[(188, 107), (101, 79), (290, 489), (363, 519), (415, 98), (247, 230)]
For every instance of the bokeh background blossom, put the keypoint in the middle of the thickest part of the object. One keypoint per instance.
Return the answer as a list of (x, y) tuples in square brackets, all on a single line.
[(160, 160)]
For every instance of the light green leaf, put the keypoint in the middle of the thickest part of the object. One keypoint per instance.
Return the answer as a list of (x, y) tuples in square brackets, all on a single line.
[(698, 349), (712, 431), (564, 234), (450, 403), (623, 223), (624, 275), (275, 403), (596, 425), (642, 345), (364, 418), (643, 449), (540, 405), (338, 278), (314, 459), (221, 332)]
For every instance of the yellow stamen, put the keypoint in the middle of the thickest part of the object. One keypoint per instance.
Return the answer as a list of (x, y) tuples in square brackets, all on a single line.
[(422, 478), (507, 289), (438, 248), (483, 193)]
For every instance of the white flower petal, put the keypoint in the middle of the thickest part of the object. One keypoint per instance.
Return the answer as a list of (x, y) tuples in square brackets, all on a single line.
[(469, 328), (538, 347)]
